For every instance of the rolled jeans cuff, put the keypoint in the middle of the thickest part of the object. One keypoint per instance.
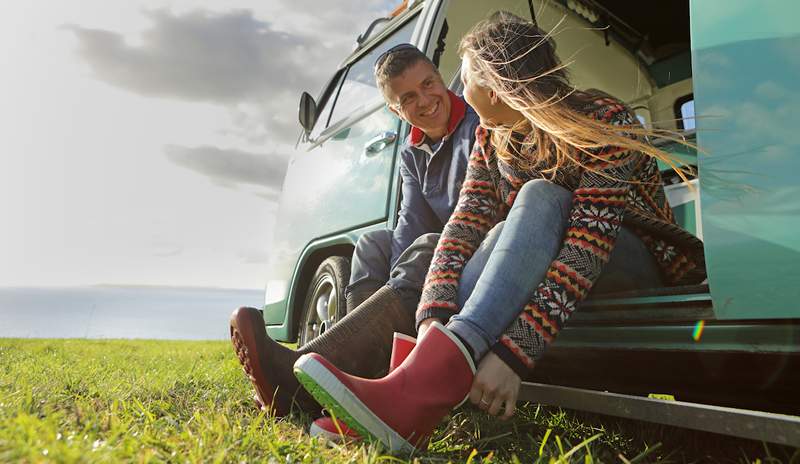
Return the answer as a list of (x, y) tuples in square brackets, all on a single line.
[(475, 337), (439, 313)]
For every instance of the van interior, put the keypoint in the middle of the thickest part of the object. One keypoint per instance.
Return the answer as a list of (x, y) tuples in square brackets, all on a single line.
[(637, 51)]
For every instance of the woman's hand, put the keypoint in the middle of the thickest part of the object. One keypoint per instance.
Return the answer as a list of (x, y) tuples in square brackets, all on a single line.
[(423, 326), (494, 385)]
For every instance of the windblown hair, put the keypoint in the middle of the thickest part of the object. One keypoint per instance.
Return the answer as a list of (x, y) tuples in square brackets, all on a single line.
[(396, 63), (517, 60)]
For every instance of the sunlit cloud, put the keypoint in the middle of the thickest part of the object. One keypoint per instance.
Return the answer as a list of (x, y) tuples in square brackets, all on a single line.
[(204, 56), (231, 59), (232, 168)]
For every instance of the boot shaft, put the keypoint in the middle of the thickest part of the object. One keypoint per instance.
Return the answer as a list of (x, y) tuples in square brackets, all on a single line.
[(402, 345), (361, 342)]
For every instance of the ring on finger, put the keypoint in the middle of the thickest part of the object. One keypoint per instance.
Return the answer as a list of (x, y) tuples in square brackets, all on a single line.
[(484, 402)]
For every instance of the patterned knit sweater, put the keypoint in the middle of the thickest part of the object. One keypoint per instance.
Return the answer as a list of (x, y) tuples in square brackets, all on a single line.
[(617, 187)]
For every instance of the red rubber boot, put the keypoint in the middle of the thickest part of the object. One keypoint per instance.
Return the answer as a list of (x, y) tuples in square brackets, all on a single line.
[(401, 409), (402, 346), (337, 431)]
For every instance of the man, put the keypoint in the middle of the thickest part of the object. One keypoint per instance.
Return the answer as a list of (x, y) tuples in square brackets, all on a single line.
[(389, 267)]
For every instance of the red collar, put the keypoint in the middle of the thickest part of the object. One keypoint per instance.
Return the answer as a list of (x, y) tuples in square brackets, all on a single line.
[(457, 110)]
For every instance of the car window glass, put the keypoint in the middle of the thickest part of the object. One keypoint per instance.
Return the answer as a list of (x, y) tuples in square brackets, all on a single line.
[(325, 112), (359, 87), (687, 115)]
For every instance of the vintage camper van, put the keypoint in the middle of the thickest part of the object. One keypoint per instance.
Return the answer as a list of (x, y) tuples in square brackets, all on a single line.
[(734, 65)]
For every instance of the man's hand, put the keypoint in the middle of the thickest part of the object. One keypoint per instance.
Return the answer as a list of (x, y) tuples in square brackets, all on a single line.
[(495, 384)]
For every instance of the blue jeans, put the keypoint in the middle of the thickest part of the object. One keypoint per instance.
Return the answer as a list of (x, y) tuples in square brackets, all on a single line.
[(512, 260)]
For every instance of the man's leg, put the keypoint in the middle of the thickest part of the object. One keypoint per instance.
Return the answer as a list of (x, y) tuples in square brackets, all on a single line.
[(513, 259), (408, 274), (369, 266)]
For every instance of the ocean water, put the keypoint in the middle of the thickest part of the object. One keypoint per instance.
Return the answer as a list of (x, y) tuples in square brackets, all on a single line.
[(121, 312)]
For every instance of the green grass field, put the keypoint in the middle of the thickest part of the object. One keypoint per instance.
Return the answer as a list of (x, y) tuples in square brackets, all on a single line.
[(156, 401)]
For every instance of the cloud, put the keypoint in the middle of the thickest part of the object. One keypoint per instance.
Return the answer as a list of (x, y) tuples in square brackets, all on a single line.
[(201, 56), (168, 251), (232, 168), (253, 256), (254, 67)]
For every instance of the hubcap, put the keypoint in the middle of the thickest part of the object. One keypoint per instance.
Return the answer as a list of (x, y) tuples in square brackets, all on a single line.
[(322, 310)]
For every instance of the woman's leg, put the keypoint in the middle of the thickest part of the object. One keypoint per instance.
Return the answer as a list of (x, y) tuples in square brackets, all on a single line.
[(630, 267), (510, 263), (513, 259)]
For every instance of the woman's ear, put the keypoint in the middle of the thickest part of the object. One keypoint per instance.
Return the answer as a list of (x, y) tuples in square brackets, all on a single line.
[(493, 97)]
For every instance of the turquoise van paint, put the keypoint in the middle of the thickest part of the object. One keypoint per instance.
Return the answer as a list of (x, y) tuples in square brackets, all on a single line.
[(335, 186), (746, 58), (745, 337)]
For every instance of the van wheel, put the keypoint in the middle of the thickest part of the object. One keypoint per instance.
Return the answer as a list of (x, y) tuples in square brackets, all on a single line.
[(325, 302)]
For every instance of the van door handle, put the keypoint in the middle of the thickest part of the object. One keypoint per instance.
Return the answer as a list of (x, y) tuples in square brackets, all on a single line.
[(379, 142)]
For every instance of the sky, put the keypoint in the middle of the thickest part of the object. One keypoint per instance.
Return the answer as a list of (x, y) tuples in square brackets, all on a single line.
[(145, 142)]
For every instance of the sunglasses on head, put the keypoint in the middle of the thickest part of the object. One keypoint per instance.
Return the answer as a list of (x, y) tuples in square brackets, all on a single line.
[(396, 48)]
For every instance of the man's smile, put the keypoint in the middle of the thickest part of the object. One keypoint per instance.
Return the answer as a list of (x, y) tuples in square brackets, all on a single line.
[(432, 111)]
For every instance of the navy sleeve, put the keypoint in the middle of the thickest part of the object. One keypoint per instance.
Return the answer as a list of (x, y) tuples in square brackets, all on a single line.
[(416, 217)]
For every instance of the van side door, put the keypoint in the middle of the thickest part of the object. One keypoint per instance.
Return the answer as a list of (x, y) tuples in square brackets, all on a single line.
[(745, 71)]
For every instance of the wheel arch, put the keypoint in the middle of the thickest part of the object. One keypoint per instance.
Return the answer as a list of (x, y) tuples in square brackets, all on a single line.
[(307, 269)]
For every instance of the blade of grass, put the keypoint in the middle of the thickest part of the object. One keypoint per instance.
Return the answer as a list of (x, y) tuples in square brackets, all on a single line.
[(580, 445), (644, 453), (544, 441), (472, 456)]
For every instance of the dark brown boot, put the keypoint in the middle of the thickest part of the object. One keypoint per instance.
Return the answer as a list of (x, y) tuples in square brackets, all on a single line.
[(359, 344), (360, 293)]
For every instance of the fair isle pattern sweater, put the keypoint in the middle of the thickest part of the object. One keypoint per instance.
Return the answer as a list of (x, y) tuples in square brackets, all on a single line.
[(617, 187)]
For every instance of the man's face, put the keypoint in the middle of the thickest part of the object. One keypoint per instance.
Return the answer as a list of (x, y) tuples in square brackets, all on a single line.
[(420, 97)]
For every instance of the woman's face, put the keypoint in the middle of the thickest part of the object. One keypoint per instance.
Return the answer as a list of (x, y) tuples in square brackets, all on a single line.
[(476, 95), (491, 113)]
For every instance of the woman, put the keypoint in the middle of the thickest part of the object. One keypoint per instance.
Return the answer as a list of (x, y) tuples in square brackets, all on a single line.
[(562, 195)]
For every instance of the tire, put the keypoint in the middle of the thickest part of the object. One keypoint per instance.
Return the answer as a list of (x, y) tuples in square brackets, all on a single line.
[(325, 302)]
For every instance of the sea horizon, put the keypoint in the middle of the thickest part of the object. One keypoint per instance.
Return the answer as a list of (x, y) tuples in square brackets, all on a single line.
[(110, 311)]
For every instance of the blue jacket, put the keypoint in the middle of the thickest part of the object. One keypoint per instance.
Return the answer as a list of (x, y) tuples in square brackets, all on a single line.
[(432, 178)]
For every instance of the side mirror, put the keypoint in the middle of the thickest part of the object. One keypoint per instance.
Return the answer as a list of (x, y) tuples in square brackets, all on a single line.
[(308, 112)]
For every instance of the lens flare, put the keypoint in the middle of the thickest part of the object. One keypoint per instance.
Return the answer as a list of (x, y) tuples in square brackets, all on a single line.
[(698, 330)]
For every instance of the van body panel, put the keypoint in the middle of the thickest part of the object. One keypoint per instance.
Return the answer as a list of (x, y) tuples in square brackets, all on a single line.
[(334, 187), (746, 71), (745, 337)]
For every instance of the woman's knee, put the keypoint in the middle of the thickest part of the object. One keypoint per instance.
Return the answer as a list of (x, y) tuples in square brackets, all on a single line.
[(541, 189), (543, 201)]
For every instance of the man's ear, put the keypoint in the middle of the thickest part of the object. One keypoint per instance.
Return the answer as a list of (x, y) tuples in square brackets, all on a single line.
[(395, 111)]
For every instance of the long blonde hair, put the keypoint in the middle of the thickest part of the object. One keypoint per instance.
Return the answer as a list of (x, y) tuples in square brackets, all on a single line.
[(517, 60)]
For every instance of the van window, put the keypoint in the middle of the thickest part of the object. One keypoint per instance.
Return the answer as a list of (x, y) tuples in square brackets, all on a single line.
[(359, 87), (327, 97), (685, 111)]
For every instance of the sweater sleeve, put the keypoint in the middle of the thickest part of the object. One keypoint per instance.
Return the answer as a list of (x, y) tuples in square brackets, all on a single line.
[(474, 215), (598, 206)]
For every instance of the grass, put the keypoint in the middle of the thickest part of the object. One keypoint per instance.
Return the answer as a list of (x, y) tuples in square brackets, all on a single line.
[(155, 401)]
